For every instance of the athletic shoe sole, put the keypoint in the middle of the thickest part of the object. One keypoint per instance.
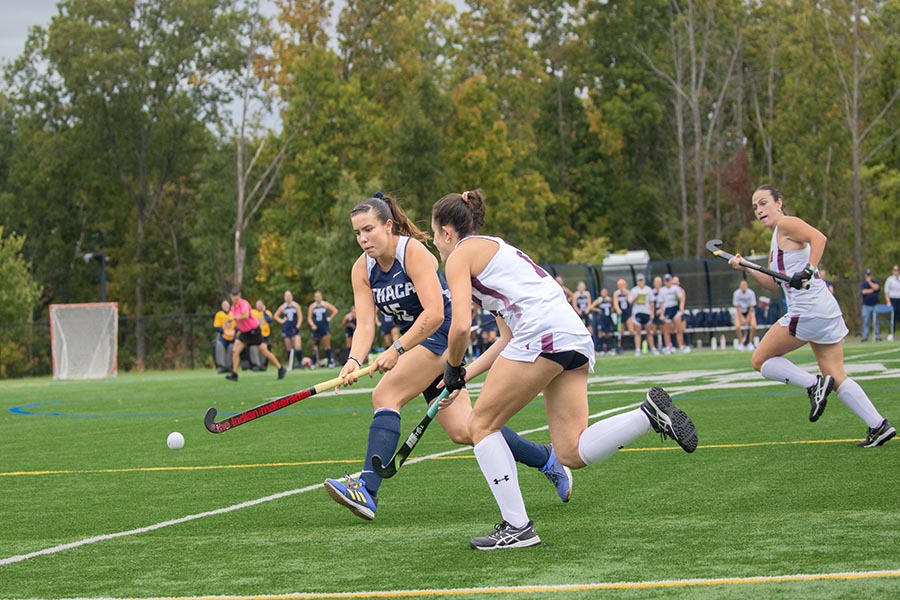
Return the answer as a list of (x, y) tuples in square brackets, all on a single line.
[(881, 439), (674, 422), (817, 406), (360, 511), (535, 541)]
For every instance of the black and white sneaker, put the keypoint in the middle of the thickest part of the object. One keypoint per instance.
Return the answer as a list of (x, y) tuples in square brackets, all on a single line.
[(668, 420), (818, 395), (878, 435), (507, 536)]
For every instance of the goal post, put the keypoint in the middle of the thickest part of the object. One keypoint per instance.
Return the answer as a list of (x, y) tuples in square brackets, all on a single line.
[(84, 340)]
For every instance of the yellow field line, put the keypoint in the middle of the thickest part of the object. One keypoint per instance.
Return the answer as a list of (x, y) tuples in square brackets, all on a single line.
[(537, 589), (355, 461)]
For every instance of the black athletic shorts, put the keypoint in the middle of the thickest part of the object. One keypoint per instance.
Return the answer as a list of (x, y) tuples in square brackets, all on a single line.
[(251, 338), (568, 360)]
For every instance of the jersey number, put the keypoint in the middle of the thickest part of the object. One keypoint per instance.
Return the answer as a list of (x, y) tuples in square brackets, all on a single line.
[(537, 269), (398, 313)]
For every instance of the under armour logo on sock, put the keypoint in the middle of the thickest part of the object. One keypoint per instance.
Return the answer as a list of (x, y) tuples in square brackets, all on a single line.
[(504, 478)]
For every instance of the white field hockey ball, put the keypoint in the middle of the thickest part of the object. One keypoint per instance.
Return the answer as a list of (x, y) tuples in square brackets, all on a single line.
[(175, 441)]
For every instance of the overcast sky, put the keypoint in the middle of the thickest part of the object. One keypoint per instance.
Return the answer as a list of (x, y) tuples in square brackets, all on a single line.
[(19, 16)]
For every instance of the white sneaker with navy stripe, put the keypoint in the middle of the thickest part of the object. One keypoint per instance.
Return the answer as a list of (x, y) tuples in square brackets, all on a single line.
[(507, 536)]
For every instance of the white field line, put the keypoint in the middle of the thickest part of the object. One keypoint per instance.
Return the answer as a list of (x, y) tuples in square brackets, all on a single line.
[(250, 503), (232, 508)]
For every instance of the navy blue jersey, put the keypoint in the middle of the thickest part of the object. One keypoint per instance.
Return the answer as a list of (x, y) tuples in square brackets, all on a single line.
[(320, 319), (395, 295), (291, 324), (606, 307)]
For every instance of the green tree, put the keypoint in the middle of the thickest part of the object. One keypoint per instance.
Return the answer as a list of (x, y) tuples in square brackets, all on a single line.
[(136, 81)]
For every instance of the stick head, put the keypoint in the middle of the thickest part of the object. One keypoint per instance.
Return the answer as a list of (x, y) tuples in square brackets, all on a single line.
[(385, 472), (713, 246), (209, 420)]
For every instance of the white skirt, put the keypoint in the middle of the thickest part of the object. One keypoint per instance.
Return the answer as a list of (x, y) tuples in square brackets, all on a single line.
[(819, 330)]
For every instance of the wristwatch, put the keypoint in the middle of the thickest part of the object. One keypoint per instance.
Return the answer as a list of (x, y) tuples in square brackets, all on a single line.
[(399, 347)]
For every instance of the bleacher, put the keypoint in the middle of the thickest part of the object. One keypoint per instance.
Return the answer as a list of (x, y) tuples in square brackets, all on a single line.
[(709, 284)]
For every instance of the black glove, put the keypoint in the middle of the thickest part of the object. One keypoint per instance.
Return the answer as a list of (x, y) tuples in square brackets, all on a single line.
[(454, 377), (800, 278)]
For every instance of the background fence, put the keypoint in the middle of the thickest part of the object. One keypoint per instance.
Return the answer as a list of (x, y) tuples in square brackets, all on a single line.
[(185, 341)]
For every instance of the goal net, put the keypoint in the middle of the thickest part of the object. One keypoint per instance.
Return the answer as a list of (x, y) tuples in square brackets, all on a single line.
[(84, 340)]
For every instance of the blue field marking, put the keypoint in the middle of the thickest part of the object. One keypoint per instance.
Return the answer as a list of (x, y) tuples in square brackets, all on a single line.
[(24, 410)]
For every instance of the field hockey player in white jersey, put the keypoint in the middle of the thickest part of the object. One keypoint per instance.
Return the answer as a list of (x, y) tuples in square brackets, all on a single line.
[(543, 347), (813, 316), (397, 275)]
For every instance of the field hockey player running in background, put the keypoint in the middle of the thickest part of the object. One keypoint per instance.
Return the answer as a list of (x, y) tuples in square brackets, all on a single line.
[(397, 275), (813, 317), (543, 347)]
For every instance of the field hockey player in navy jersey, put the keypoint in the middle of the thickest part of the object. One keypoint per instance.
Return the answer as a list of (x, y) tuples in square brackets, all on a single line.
[(397, 275)]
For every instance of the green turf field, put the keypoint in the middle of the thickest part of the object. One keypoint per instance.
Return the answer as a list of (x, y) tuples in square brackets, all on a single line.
[(770, 506)]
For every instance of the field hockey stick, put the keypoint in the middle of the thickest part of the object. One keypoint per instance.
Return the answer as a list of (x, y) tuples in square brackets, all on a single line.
[(271, 406), (402, 453), (713, 246)]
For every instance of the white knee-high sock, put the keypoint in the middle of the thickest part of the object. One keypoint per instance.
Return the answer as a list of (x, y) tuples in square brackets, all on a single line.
[(604, 438), (499, 469), (778, 368), (851, 394)]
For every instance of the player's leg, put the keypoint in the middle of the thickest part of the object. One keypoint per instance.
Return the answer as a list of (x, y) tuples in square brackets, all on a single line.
[(326, 344), (509, 387), (236, 350), (264, 348), (830, 358), (413, 373), (751, 318)]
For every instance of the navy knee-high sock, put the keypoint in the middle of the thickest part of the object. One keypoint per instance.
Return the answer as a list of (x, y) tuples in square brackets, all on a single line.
[(384, 433), (525, 451)]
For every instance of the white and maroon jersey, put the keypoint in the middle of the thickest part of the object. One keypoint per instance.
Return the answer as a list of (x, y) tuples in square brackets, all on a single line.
[(744, 300), (817, 301), (643, 300), (670, 295), (533, 305)]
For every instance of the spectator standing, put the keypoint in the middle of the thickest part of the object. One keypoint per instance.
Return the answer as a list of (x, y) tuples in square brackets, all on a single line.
[(320, 314), (250, 335), (288, 314), (869, 289), (581, 302), (224, 327), (643, 305), (673, 299), (744, 301), (892, 294), (603, 306), (623, 308)]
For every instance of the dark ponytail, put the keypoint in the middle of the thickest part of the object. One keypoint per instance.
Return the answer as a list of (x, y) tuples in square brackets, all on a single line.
[(386, 208), (464, 212)]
